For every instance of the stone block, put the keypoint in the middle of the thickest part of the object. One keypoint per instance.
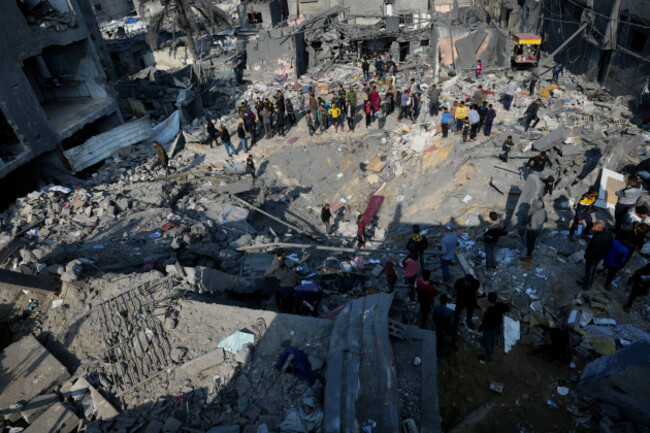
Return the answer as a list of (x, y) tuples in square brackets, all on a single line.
[(196, 366), (102, 408), (154, 426), (58, 418), (32, 410), (551, 139), (172, 425), (26, 370)]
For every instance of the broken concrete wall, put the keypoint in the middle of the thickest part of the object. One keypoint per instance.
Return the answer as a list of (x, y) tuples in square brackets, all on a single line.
[(273, 52), (271, 14), (622, 380)]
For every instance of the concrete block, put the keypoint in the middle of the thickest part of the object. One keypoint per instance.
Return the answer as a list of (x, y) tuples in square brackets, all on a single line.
[(58, 418), (500, 184), (551, 139), (621, 380), (238, 187), (26, 370), (213, 281), (242, 241), (172, 425), (153, 427), (102, 408), (195, 367), (258, 262), (37, 406)]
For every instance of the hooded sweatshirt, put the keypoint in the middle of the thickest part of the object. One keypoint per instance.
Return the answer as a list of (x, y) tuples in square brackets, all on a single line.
[(536, 216)]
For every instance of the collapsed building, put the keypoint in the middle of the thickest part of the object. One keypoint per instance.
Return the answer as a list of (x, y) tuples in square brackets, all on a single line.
[(135, 299)]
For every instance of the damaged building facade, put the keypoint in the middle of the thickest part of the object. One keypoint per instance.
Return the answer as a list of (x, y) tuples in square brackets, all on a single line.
[(54, 93)]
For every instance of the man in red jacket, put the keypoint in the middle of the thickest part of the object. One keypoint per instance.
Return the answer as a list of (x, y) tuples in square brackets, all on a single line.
[(426, 293)]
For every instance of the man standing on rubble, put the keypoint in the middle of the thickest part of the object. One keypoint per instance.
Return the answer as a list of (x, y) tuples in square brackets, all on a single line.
[(584, 209), (531, 114), (163, 160), (509, 93), (350, 114), (352, 97), (284, 294), (598, 246), (434, 100), (557, 70), (478, 96), (534, 78), (447, 251), (426, 292), (536, 219), (290, 113), (638, 285), (443, 321), (474, 120), (627, 199), (418, 244), (267, 122), (466, 289), (313, 104), (212, 133), (225, 139), (280, 119), (325, 217), (335, 114), (489, 120), (491, 324), (365, 67), (379, 67), (491, 238)]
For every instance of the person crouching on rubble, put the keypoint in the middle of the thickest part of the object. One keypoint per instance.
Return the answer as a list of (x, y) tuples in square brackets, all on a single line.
[(285, 296)]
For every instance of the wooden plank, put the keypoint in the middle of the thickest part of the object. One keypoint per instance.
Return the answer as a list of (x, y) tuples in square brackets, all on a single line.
[(101, 146)]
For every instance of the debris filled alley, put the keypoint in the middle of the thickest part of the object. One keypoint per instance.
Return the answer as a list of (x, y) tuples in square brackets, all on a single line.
[(249, 217)]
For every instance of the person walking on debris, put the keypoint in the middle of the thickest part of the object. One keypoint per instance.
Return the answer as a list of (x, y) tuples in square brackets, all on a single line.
[(411, 270), (474, 120), (478, 96), (466, 289), (627, 199), (509, 93), (447, 251), (531, 114), (365, 68), (536, 219), (251, 126), (466, 128), (434, 100), (267, 122), (482, 114), (489, 120), (418, 244), (443, 322), (241, 133), (490, 239), (491, 324), (290, 112), (163, 160), (225, 139), (506, 147), (426, 293), (391, 275), (335, 113), (350, 113), (461, 114), (368, 110), (361, 233), (445, 122), (539, 164), (584, 209), (549, 185), (280, 120), (212, 133), (638, 285), (598, 246), (310, 124), (325, 217), (557, 70), (284, 294), (534, 78), (479, 68), (250, 166)]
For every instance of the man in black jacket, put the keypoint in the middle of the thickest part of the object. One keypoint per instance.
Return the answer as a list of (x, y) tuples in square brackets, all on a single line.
[(418, 244), (465, 289), (490, 239), (640, 283), (492, 320), (212, 133), (285, 296), (598, 246), (531, 114), (325, 217), (539, 163)]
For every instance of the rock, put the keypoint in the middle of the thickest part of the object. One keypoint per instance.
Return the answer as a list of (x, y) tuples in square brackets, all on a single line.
[(58, 415), (172, 425), (242, 404), (316, 363), (245, 355), (242, 241), (417, 361), (196, 366), (177, 354)]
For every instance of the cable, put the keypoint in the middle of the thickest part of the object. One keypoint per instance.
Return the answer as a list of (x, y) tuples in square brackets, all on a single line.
[(609, 17)]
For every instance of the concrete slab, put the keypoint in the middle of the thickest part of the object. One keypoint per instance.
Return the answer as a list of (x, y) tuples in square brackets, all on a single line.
[(102, 408), (551, 139), (258, 262), (58, 418), (197, 366), (622, 380), (27, 369), (37, 406), (153, 427)]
